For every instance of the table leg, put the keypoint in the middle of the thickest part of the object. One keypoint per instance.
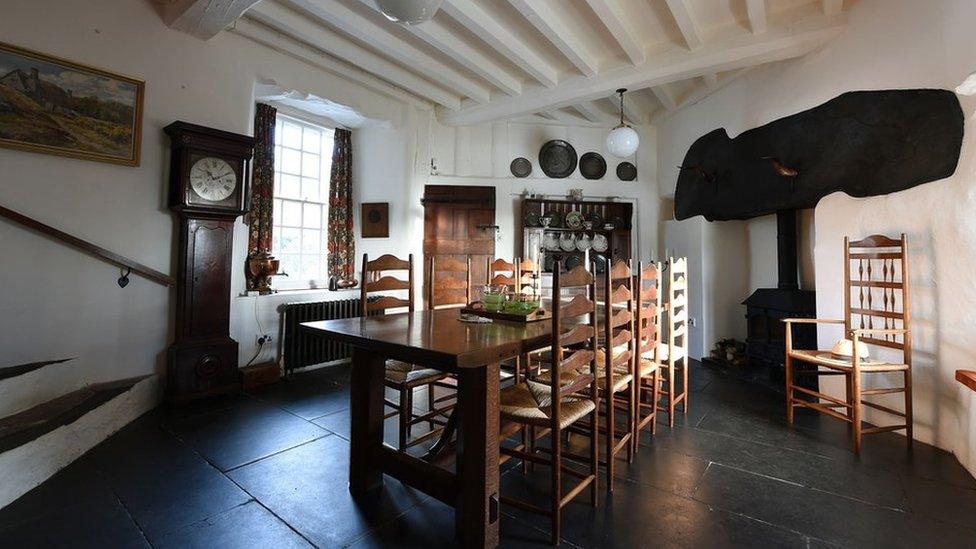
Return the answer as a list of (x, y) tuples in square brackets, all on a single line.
[(476, 512), (366, 420)]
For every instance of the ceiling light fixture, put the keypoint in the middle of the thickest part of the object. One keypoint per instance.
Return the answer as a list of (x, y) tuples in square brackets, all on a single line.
[(409, 12), (968, 86), (622, 141)]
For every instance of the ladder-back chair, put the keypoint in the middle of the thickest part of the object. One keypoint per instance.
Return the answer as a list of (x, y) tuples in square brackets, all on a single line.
[(378, 278), (504, 273), (647, 321), (569, 396), (876, 312), (448, 282), (672, 354), (616, 369)]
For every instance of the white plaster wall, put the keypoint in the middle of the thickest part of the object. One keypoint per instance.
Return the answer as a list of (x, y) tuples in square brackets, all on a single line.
[(56, 302), (888, 44)]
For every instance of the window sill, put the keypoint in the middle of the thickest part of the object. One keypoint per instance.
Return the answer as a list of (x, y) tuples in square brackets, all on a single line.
[(306, 291)]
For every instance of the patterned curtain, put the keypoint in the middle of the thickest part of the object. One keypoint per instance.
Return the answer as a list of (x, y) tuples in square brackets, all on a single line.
[(342, 245), (262, 183)]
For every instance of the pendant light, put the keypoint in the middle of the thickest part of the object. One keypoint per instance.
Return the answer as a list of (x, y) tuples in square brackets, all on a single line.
[(622, 141), (409, 12)]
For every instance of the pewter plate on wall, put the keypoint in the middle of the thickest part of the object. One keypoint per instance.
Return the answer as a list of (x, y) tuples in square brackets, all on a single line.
[(521, 167), (557, 158), (592, 165), (626, 171)]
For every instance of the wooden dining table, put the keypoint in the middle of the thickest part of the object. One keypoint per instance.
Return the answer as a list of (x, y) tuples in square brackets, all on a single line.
[(470, 351)]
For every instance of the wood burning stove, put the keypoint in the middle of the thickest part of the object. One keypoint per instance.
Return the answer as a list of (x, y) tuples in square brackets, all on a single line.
[(766, 307)]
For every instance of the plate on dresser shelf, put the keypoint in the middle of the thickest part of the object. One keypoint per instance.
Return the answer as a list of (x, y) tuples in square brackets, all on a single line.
[(600, 243), (550, 242), (583, 243), (596, 219), (618, 222), (531, 219), (626, 171), (572, 262), (567, 241), (574, 221), (557, 158), (521, 167), (592, 165), (556, 217)]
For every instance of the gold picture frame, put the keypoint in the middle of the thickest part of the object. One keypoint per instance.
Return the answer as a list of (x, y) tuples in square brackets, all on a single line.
[(56, 106)]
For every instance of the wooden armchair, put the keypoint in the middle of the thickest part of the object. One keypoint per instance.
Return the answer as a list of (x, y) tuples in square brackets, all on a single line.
[(504, 273), (876, 312)]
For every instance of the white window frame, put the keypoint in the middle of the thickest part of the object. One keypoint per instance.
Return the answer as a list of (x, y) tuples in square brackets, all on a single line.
[(300, 243)]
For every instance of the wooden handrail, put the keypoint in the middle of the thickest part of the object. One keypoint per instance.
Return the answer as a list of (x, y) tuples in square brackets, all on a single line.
[(88, 247)]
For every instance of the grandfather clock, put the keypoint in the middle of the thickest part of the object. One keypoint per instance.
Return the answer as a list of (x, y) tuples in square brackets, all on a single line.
[(209, 187)]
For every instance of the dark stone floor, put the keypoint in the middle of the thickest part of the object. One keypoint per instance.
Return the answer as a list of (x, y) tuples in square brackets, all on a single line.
[(269, 470)]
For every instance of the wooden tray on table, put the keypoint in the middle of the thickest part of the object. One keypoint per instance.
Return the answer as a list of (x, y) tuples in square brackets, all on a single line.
[(538, 315)]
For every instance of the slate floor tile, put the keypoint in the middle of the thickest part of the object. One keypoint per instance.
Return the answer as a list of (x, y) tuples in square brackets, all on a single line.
[(96, 523), (669, 471), (245, 526), (828, 517), (941, 501), (307, 487), (80, 479), (242, 434), (163, 484), (838, 476), (643, 516), (305, 396)]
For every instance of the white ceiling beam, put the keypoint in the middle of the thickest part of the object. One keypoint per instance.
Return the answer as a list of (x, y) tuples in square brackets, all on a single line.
[(437, 35), (681, 11), (711, 79), (781, 41), (278, 41), (317, 36), (548, 22), (202, 18), (592, 112), (756, 10), (616, 21), (664, 96), (345, 19), (472, 17), (833, 7), (698, 95)]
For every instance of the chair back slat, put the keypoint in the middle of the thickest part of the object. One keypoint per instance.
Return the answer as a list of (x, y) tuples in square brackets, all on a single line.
[(677, 309), (572, 367), (577, 277), (576, 335), (876, 289), (376, 277), (648, 309), (618, 321), (577, 306), (448, 282)]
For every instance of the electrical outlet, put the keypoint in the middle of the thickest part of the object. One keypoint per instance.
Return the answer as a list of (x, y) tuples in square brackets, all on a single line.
[(262, 339), (693, 321)]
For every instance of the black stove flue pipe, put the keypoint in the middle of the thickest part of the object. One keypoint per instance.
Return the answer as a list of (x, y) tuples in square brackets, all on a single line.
[(786, 249)]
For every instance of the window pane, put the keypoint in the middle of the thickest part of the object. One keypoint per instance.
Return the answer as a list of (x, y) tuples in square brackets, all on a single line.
[(310, 241), (311, 141), (292, 135), (311, 267), (290, 264), (291, 161), (310, 165), (310, 189), (313, 216), (290, 186), (276, 213), (291, 213), (290, 240)]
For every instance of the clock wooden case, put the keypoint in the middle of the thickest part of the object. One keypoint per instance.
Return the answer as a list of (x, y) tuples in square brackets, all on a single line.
[(209, 190)]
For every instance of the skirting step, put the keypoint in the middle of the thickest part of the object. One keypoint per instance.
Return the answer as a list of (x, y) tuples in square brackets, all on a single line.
[(21, 369), (36, 443)]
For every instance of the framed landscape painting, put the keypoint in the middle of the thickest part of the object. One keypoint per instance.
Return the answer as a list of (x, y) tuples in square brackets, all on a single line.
[(55, 106)]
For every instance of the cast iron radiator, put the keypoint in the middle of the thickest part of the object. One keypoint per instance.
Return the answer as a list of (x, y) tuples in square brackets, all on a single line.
[(298, 349)]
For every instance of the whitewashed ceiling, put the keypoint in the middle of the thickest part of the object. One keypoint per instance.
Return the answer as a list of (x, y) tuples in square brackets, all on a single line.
[(484, 60)]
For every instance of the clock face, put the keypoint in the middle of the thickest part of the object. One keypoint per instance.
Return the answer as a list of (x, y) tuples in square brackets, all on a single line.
[(213, 178)]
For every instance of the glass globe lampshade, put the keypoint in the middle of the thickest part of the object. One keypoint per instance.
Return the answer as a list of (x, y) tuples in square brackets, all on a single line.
[(623, 141), (408, 12)]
